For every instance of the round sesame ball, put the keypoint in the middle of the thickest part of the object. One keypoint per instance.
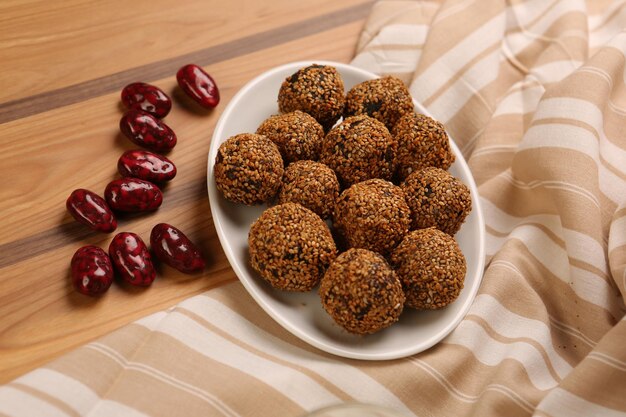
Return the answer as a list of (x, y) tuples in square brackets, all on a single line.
[(312, 185), (431, 267), (373, 215), (297, 135), (361, 292), (436, 198), (317, 90), (386, 99), (358, 149), (290, 247), (248, 169), (422, 142)]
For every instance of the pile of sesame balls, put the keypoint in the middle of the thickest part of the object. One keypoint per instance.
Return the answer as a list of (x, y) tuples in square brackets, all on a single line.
[(378, 176)]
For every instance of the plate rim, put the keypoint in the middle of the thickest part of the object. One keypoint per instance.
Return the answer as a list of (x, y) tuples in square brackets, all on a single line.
[(267, 307)]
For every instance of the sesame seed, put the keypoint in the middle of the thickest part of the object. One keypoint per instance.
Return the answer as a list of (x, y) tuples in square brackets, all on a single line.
[(373, 215), (437, 198), (385, 99), (248, 169), (317, 90), (358, 149), (312, 185), (430, 280), (298, 135), (361, 292), (422, 142), (281, 249)]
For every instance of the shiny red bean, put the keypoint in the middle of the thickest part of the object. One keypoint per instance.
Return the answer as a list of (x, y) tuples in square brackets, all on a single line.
[(133, 194), (92, 272), (146, 165), (90, 209), (147, 131), (131, 259), (171, 246), (146, 97), (198, 85)]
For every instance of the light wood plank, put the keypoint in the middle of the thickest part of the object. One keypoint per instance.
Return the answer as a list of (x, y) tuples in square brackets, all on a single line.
[(47, 45)]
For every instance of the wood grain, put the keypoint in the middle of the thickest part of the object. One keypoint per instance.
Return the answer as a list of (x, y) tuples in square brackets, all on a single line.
[(45, 47), (66, 145), (75, 93)]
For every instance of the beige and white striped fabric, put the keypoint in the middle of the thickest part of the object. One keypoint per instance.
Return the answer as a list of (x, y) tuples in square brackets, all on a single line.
[(534, 93)]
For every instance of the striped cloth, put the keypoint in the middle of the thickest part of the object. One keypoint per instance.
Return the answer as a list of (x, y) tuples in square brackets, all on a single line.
[(534, 94)]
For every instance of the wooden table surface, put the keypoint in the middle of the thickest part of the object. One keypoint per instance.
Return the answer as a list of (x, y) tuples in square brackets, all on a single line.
[(62, 67)]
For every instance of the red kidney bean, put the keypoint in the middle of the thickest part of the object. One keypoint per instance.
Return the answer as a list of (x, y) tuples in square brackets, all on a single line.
[(146, 97), (133, 194), (92, 272), (131, 259), (171, 246), (198, 85), (146, 166), (146, 130), (90, 209)]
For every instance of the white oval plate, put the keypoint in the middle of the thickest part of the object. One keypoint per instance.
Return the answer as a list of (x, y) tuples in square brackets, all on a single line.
[(302, 313)]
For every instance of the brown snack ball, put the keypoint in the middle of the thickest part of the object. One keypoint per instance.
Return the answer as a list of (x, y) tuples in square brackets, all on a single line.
[(317, 90), (373, 215), (248, 169), (361, 292), (431, 267), (290, 247), (438, 199), (385, 99), (358, 149), (297, 135), (422, 143), (312, 185)]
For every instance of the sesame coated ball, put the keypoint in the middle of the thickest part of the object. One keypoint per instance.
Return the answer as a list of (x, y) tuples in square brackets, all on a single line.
[(385, 99), (248, 169), (431, 267), (290, 247), (297, 135), (312, 185), (358, 149), (436, 198), (373, 215), (317, 90), (422, 142), (361, 292)]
